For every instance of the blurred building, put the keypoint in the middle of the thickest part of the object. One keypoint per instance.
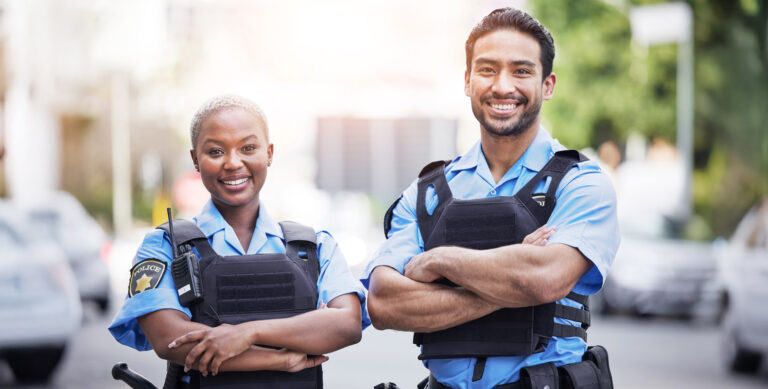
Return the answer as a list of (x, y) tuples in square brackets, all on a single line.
[(96, 97), (379, 156)]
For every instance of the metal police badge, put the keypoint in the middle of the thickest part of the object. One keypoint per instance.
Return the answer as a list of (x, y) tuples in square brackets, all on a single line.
[(146, 275)]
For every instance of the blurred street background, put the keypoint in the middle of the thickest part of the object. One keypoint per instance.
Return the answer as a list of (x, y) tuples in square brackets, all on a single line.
[(96, 99)]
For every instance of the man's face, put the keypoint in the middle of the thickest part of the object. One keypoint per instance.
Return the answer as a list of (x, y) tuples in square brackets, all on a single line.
[(505, 83)]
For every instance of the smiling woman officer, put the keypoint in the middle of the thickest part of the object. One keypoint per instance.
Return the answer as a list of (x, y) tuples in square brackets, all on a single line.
[(275, 296)]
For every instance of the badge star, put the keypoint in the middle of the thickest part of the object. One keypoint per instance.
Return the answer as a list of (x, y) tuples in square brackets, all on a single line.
[(142, 283)]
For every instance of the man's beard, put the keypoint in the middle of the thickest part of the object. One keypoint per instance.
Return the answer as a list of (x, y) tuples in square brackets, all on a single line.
[(526, 119)]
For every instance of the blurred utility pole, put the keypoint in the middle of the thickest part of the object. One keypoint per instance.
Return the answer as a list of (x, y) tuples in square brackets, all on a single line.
[(673, 23), (121, 153)]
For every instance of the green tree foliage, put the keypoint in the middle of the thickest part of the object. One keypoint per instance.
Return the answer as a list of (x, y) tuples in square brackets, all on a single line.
[(608, 87)]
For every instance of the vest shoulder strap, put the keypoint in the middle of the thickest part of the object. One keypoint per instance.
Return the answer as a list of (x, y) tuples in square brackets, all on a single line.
[(296, 232), (428, 173), (301, 247), (184, 231), (388, 216), (431, 175), (544, 203), (187, 232)]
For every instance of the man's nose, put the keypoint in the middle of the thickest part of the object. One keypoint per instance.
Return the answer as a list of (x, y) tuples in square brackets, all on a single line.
[(504, 84)]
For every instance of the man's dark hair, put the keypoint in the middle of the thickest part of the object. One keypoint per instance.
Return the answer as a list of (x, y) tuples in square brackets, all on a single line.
[(516, 20)]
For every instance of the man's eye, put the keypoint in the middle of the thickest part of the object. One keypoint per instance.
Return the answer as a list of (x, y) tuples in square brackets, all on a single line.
[(485, 70), (523, 71), (249, 148)]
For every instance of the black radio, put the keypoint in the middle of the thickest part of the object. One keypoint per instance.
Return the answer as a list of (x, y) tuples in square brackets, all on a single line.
[(185, 269)]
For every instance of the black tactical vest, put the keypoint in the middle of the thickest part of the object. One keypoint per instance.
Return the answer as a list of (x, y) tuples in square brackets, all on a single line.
[(242, 288), (487, 223)]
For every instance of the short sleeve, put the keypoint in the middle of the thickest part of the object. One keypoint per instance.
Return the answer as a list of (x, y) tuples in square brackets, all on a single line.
[(335, 277), (585, 218), (403, 240), (124, 327)]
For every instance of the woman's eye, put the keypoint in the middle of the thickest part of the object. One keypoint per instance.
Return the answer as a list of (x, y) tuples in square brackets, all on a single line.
[(215, 152), (249, 148)]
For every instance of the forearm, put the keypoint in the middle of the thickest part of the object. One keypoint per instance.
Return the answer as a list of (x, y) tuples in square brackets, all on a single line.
[(256, 358), (316, 332), (515, 275), (164, 326), (399, 303)]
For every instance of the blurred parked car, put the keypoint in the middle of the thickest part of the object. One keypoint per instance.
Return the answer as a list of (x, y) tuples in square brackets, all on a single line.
[(657, 274), (745, 274), (39, 304), (63, 220)]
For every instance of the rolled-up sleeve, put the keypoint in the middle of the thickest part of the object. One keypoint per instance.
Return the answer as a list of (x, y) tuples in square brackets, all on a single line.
[(335, 277), (403, 239), (124, 327), (585, 218)]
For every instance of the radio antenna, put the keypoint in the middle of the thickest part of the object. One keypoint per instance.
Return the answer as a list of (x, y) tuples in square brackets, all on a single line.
[(170, 233)]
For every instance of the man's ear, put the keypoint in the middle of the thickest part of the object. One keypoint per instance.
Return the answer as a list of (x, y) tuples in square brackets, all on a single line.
[(548, 89), (194, 159), (466, 82)]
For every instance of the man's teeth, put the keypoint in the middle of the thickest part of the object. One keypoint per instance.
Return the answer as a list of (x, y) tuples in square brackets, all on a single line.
[(504, 106), (235, 182)]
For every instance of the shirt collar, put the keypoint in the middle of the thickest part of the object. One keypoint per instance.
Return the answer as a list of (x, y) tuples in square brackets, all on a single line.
[(210, 222), (539, 152), (534, 158)]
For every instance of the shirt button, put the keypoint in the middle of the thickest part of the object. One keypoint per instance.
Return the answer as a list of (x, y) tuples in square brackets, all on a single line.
[(493, 191), (546, 386)]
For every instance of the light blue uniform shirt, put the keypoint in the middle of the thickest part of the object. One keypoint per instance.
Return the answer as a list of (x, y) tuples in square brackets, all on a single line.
[(584, 216), (334, 280)]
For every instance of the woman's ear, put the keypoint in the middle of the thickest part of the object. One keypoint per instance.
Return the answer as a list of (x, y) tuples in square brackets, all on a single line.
[(194, 159)]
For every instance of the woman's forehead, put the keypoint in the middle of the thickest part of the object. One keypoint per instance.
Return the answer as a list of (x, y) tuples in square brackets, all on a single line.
[(234, 121)]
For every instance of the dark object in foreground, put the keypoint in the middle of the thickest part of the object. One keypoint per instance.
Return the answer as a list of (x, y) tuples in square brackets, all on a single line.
[(121, 372)]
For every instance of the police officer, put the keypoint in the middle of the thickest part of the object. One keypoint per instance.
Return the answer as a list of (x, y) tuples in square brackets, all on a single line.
[(231, 150), (489, 310)]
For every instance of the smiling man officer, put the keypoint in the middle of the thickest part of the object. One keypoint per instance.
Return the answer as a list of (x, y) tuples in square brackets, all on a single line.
[(488, 309)]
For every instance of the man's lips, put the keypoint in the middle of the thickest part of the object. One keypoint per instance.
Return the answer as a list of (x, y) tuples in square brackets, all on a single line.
[(505, 108)]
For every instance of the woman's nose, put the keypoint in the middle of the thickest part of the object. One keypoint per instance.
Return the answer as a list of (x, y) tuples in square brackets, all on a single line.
[(232, 161)]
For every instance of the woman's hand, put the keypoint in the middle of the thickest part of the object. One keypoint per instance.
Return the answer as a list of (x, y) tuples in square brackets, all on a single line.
[(296, 361), (540, 236), (214, 346)]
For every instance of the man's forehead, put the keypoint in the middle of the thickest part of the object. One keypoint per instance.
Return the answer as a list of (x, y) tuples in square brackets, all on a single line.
[(507, 46)]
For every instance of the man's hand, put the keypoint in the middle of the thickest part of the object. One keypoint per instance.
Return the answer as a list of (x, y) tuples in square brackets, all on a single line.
[(214, 346), (421, 267)]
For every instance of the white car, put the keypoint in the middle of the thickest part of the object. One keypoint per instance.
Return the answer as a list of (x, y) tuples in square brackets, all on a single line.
[(656, 274), (62, 219), (39, 303), (744, 265)]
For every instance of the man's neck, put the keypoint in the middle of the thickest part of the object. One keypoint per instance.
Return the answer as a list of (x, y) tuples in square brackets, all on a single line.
[(502, 152)]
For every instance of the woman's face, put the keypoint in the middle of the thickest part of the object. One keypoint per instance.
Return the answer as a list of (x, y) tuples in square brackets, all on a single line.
[(232, 155)]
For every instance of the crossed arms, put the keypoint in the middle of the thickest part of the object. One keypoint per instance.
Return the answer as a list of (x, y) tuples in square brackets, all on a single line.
[(302, 339), (511, 276)]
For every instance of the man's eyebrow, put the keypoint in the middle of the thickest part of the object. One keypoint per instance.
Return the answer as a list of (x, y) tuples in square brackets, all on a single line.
[(518, 62), (523, 62)]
